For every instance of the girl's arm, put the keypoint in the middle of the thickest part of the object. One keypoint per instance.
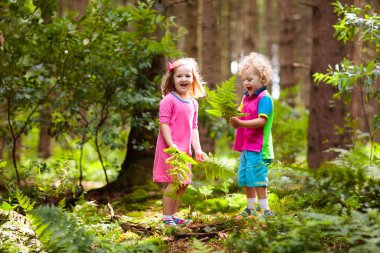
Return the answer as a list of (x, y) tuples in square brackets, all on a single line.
[(199, 156), (253, 123), (165, 130)]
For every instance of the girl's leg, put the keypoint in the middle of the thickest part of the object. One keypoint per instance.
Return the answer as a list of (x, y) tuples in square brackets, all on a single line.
[(177, 200), (168, 202)]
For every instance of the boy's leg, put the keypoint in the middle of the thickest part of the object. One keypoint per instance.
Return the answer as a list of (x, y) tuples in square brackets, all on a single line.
[(251, 197), (263, 200), (262, 196)]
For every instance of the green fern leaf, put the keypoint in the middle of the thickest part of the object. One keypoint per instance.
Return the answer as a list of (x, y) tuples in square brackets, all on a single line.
[(214, 168), (222, 101), (58, 231), (179, 172)]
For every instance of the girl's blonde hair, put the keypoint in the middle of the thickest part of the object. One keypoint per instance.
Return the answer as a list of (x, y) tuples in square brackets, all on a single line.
[(258, 63), (196, 90)]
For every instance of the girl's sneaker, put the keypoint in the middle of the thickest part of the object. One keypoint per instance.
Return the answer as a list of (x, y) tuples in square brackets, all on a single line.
[(180, 221), (169, 223)]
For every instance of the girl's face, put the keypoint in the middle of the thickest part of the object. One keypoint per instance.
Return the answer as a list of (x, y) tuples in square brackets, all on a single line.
[(183, 78), (251, 81)]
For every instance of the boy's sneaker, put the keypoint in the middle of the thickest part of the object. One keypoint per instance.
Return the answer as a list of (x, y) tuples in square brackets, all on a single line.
[(267, 213), (180, 221), (169, 223), (247, 213)]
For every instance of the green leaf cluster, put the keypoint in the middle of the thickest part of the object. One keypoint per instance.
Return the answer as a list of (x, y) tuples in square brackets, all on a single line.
[(59, 231), (92, 73), (214, 168), (179, 172), (363, 23), (223, 100)]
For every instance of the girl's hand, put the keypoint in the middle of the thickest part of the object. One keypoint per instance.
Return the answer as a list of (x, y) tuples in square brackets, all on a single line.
[(235, 122), (199, 156)]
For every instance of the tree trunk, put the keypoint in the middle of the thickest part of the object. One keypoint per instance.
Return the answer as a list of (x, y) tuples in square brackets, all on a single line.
[(326, 113), (138, 163), (188, 20), (269, 27), (224, 38), (236, 27), (303, 49), (44, 143), (249, 33), (287, 45), (210, 59)]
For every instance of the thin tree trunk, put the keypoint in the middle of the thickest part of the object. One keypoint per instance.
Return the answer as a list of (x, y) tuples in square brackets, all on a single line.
[(269, 27), (187, 20), (210, 59), (326, 113), (303, 50), (225, 42), (236, 27), (249, 33), (44, 142), (287, 45)]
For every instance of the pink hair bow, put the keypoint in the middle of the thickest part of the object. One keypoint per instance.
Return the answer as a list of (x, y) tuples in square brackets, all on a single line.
[(170, 66)]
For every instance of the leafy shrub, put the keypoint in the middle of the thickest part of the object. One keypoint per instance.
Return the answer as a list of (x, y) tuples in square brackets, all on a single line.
[(289, 131)]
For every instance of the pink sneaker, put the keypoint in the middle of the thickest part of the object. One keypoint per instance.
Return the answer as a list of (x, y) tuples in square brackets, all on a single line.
[(180, 221)]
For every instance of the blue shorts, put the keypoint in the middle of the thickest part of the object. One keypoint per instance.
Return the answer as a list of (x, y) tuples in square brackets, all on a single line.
[(253, 169)]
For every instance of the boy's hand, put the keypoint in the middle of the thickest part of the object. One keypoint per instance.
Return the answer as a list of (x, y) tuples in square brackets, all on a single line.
[(235, 122), (199, 156)]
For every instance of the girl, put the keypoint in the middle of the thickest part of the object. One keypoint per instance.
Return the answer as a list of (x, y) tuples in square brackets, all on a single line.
[(178, 120)]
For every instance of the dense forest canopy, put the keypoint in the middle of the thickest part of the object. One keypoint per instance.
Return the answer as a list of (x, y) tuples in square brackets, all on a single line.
[(79, 94)]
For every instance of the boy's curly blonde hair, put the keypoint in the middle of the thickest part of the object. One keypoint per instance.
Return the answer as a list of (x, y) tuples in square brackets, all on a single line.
[(258, 63), (196, 90)]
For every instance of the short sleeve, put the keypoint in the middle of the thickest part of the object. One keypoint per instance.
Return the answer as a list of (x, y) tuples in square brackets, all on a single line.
[(265, 107), (165, 111), (195, 118), (240, 108)]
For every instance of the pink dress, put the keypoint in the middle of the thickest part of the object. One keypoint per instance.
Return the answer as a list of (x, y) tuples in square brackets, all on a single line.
[(181, 116)]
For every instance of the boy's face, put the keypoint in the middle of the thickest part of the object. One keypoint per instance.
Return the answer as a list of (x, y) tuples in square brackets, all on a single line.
[(251, 81)]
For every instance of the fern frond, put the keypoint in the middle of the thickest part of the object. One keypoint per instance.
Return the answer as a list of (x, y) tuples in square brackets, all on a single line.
[(222, 101), (179, 172), (214, 168), (58, 231), (62, 203), (24, 201)]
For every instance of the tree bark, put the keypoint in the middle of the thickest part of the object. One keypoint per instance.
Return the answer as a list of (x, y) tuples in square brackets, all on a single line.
[(303, 50), (210, 62), (44, 142), (287, 44), (224, 38), (326, 113), (269, 27), (249, 33)]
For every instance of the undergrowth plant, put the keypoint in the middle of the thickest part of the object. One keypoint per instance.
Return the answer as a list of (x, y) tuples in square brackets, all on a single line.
[(215, 169), (179, 171)]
